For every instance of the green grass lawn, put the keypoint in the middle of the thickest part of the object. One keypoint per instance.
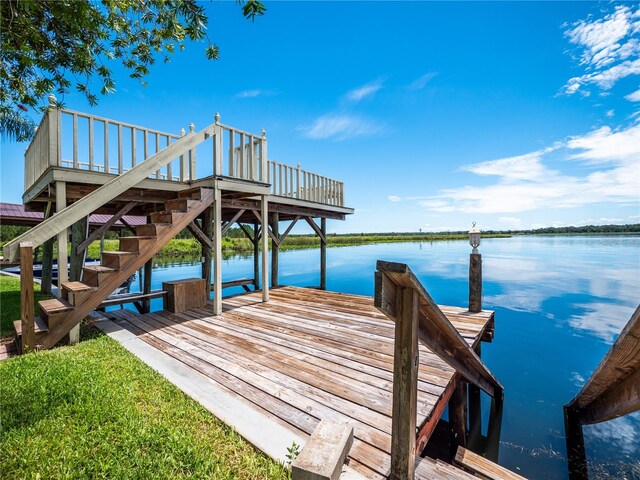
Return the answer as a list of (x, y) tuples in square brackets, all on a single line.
[(95, 411), (10, 302)]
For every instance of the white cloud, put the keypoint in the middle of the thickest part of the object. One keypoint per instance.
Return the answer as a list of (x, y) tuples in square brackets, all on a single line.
[(521, 167), (525, 183), (421, 82), (610, 113), (250, 93), (634, 96), (394, 198), (364, 91), (340, 127), (610, 48), (606, 146)]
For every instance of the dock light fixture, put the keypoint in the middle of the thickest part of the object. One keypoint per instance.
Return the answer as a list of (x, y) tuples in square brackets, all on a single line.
[(474, 238)]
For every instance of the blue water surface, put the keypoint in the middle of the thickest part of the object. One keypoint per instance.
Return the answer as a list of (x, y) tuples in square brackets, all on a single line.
[(560, 302)]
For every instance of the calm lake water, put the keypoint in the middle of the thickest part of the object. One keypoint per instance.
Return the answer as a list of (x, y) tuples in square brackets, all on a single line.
[(560, 302)]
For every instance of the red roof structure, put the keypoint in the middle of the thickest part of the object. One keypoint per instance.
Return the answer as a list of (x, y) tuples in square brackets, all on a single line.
[(15, 214)]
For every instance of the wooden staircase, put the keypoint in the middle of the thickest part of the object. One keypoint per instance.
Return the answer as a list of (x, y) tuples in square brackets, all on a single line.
[(78, 299)]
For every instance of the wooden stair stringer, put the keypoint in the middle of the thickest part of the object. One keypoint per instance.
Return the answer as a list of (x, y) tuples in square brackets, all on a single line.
[(127, 269)]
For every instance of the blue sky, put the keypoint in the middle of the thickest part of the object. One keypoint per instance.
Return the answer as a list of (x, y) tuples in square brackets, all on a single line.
[(513, 115)]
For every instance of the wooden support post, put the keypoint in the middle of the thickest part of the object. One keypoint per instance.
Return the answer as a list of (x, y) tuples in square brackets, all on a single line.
[(405, 387), (27, 298), (264, 207), (256, 257), (207, 228), (47, 257), (323, 254), (61, 204), (79, 231), (217, 253), (101, 245), (47, 266), (458, 417), (576, 454), (275, 247), (146, 288), (475, 411), (475, 282)]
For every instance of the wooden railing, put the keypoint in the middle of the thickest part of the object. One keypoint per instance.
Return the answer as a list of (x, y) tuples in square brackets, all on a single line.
[(240, 154), (401, 296), (107, 192), (293, 182), (80, 141), (613, 390)]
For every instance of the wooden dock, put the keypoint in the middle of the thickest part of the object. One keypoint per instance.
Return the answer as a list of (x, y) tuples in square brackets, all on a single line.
[(303, 356)]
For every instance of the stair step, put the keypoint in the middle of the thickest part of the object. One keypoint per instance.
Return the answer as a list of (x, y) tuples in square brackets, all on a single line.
[(76, 287), (93, 275), (76, 292), (179, 205), (39, 325), (164, 217), (54, 305), (115, 260), (132, 244), (151, 229), (40, 328), (194, 193)]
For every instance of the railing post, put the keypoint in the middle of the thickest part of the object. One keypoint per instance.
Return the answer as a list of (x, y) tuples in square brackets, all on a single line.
[(217, 147), (475, 271), (405, 387), (192, 155), (298, 186), (184, 168), (264, 175), (26, 297), (54, 131)]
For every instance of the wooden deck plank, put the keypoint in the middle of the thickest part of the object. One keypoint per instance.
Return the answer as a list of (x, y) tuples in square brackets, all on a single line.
[(304, 356)]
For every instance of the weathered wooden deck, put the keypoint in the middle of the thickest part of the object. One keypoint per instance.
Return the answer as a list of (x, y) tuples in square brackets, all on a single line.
[(305, 355)]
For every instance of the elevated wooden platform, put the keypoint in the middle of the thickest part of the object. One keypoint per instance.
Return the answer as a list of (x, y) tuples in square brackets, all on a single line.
[(284, 365)]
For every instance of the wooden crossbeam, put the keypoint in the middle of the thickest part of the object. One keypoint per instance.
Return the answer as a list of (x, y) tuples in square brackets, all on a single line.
[(199, 234), (286, 232), (230, 223), (104, 228), (316, 229), (128, 225), (252, 238), (273, 237)]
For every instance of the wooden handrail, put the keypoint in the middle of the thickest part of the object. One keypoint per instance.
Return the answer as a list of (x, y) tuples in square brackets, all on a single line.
[(434, 330), (402, 298), (107, 192), (614, 388)]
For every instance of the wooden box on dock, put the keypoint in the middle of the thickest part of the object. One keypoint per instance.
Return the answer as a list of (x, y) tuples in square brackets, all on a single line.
[(184, 294)]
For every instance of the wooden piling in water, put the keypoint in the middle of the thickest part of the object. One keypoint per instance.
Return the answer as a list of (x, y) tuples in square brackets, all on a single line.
[(207, 228), (275, 248), (323, 254), (458, 417), (475, 282), (256, 256)]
